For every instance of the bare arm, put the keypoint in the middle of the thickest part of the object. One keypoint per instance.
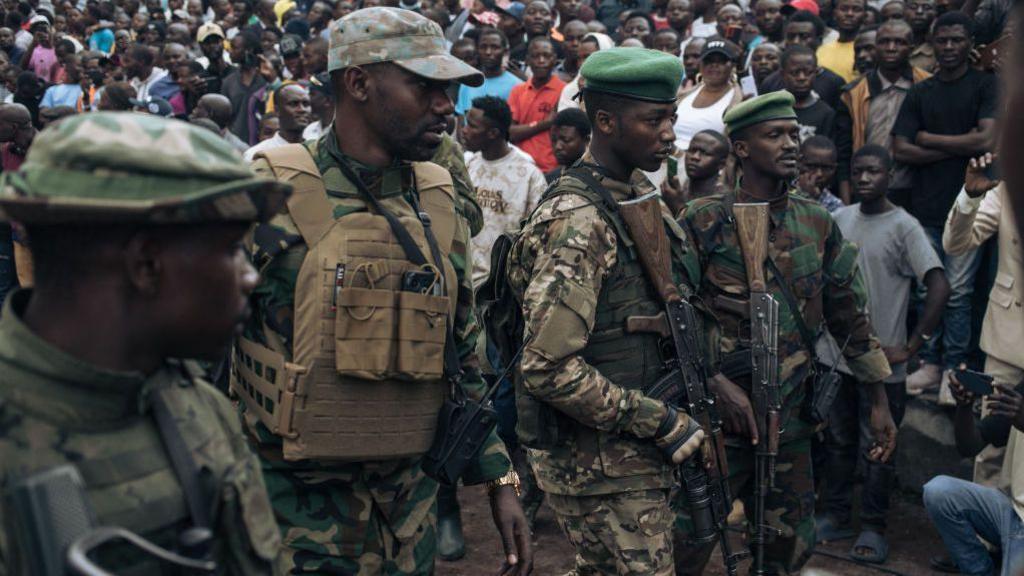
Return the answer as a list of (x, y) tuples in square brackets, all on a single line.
[(934, 306), (968, 438), (903, 150), (973, 143), (520, 132)]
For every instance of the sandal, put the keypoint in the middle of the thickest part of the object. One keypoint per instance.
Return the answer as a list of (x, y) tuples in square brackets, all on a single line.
[(874, 543), (828, 530)]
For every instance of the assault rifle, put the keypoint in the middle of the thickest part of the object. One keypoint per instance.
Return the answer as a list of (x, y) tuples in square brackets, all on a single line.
[(765, 396), (705, 475)]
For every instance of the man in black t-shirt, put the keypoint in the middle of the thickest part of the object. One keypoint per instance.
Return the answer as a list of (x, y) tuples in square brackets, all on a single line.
[(799, 67), (943, 122)]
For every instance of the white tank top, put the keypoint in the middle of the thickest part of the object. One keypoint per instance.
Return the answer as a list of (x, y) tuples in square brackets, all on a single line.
[(692, 120)]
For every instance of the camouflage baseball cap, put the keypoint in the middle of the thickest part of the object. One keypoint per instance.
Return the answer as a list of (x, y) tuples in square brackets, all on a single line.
[(130, 167), (412, 41)]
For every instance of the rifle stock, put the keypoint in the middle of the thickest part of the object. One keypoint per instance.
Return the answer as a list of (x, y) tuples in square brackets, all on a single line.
[(705, 475), (643, 218), (752, 229)]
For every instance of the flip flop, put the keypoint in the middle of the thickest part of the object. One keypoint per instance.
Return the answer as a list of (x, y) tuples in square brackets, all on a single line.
[(827, 530), (873, 541)]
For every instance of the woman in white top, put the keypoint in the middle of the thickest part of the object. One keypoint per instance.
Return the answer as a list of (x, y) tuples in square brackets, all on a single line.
[(703, 106)]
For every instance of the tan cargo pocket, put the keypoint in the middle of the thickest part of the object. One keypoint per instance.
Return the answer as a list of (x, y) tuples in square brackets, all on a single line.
[(365, 329), (422, 327)]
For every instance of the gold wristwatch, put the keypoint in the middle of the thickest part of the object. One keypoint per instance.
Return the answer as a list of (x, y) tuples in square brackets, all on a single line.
[(509, 479)]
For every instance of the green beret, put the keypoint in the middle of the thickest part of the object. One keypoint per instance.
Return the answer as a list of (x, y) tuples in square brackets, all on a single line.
[(129, 167), (635, 73), (770, 106)]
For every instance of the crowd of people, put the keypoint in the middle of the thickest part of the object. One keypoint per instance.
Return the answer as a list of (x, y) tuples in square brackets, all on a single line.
[(896, 104)]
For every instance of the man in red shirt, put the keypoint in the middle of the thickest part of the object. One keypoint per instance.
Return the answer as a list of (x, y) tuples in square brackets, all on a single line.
[(535, 103)]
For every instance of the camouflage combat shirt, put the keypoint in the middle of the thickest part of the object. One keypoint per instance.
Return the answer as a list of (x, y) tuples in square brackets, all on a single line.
[(559, 266), (818, 265), (399, 486), (56, 409)]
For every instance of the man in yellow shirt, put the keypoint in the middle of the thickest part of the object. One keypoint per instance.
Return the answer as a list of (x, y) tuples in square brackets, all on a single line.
[(838, 55)]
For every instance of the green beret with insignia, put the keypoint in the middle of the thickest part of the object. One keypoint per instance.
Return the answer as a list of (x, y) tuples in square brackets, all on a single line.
[(770, 106), (115, 167), (636, 73)]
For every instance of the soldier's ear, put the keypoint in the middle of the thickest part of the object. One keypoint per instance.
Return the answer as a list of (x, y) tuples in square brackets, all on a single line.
[(739, 148), (142, 262), (604, 122), (356, 83)]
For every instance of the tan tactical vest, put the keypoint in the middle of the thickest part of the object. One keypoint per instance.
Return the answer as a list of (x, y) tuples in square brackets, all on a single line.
[(365, 381)]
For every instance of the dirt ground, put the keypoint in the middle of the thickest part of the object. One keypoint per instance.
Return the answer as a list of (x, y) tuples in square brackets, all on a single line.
[(912, 542)]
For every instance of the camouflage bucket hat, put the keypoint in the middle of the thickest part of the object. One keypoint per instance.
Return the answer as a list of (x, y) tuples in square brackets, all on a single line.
[(403, 37), (131, 167)]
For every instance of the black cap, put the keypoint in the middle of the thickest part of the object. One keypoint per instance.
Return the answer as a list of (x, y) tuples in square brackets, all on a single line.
[(723, 47), (321, 83)]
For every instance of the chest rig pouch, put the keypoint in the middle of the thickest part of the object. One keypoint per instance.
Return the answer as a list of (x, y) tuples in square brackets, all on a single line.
[(372, 322)]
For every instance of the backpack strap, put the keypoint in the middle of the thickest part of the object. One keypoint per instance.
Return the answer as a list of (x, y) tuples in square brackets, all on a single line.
[(308, 205)]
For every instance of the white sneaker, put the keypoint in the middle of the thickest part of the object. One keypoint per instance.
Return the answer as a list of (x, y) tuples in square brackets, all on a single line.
[(926, 377), (945, 393)]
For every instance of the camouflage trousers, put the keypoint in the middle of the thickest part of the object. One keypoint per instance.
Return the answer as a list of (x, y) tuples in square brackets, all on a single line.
[(789, 508), (332, 526), (628, 533)]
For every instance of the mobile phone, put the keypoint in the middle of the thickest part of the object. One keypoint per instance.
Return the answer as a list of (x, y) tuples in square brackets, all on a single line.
[(419, 281), (977, 383), (734, 34)]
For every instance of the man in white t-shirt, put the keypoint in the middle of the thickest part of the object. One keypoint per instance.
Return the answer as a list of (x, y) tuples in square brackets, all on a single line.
[(294, 115), (508, 183)]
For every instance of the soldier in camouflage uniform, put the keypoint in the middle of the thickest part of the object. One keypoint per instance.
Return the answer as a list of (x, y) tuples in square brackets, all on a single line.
[(136, 225), (820, 269), (389, 70), (607, 461)]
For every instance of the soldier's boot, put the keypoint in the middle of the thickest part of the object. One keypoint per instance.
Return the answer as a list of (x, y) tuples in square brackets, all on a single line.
[(450, 544)]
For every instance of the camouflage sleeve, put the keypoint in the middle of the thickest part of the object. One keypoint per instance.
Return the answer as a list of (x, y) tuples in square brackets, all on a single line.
[(492, 462), (574, 250), (273, 300), (845, 309)]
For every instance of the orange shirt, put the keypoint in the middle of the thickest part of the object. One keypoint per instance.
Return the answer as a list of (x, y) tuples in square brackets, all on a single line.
[(532, 104)]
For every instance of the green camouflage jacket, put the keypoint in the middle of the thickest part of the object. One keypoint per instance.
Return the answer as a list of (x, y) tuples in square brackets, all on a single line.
[(566, 254), (398, 485), (56, 410), (819, 266)]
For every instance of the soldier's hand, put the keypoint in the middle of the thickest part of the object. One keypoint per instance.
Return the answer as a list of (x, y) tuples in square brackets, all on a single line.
[(737, 412), (515, 532), (678, 436)]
